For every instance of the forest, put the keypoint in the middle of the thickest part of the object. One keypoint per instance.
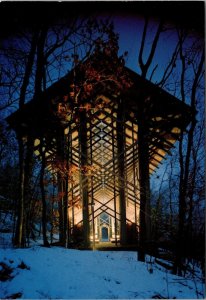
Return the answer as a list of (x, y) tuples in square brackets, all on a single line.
[(157, 41)]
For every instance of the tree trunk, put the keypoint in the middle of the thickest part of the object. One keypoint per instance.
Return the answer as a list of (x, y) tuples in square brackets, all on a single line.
[(60, 208), (143, 143), (40, 69), (19, 238), (27, 185), (185, 159), (43, 195)]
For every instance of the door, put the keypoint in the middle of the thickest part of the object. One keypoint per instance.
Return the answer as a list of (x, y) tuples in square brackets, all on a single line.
[(105, 235)]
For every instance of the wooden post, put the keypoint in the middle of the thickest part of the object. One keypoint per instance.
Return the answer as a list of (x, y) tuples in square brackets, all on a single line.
[(60, 208), (114, 183), (121, 175), (52, 209), (65, 211), (134, 180), (144, 181), (92, 191), (72, 185), (62, 189), (92, 205), (83, 176), (66, 196)]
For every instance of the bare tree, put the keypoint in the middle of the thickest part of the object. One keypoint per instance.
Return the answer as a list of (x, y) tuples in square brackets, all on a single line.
[(19, 240), (143, 145), (48, 48), (185, 147), (187, 56)]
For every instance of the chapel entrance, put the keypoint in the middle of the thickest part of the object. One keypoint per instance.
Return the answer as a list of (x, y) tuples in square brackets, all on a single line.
[(105, 234), (105, 223)]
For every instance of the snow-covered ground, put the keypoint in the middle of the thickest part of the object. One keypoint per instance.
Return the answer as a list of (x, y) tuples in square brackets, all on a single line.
[(54, 273)]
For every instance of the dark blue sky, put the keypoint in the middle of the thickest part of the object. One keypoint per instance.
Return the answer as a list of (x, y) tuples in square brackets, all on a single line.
[(15, 15), (128, 21)]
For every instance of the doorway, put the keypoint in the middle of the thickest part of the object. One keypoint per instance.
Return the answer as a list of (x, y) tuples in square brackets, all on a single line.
[(105, 234)]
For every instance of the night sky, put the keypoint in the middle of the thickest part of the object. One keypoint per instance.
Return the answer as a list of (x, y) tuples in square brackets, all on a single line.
[(17, 15)]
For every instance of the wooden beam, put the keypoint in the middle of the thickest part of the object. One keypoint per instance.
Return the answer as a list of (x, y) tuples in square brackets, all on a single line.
[(83, 177), (121, 174), (144, 180)]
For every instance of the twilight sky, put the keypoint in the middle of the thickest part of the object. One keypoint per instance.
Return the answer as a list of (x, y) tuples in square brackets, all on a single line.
[(128, 19), (15, 15)]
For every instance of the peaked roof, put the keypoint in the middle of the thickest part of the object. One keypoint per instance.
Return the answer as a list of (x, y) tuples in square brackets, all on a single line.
[(37, 112), (168, 117)]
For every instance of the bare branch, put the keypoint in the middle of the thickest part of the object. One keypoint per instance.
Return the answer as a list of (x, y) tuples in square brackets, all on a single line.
[(170, 66), (145, 66), (140, 58)]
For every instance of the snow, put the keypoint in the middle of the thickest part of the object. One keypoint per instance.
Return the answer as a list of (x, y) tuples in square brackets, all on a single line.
[(59, 273)]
